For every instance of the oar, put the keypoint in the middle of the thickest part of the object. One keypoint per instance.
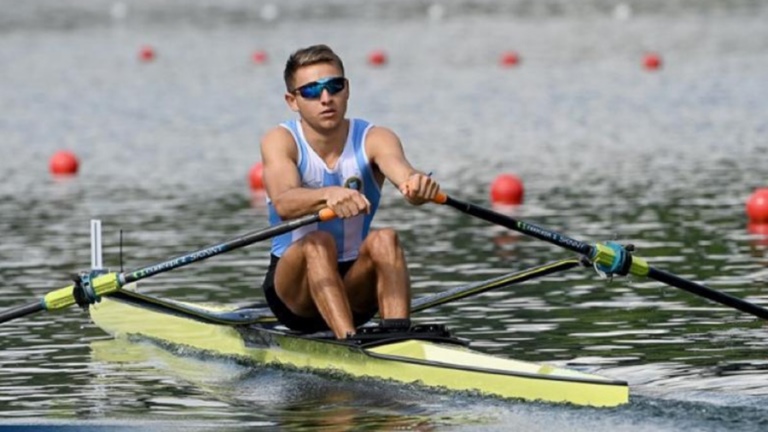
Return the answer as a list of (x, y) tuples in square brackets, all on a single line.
[(109, 283), (609, 257)]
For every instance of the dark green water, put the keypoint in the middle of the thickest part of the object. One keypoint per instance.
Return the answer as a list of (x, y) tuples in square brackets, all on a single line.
[(607, 151)]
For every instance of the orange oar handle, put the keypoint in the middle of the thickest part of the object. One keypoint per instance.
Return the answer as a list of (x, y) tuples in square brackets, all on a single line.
[(441, 198), (326, 214)]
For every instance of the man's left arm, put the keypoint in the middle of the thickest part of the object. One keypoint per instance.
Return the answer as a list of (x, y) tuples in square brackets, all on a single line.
[(385, 150)]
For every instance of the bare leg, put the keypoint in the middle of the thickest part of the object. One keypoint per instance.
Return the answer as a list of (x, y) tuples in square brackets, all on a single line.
[(381, 264), (308, 282)]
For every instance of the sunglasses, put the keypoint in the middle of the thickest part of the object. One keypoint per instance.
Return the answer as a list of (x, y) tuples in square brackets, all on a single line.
[(315, 89)]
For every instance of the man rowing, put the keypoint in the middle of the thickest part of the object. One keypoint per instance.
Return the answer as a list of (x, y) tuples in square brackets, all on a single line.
[(335, 274)]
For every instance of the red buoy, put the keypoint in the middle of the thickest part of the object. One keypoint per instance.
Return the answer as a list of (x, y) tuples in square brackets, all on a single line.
[(63, 163), (757, 206), (259, 57), (509, 59), (760, 229), (377, 58), (652, 61), (256, 176), (507, 189), (147, 53)]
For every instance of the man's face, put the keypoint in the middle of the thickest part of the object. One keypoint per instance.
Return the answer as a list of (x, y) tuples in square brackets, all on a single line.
[(324, 111)]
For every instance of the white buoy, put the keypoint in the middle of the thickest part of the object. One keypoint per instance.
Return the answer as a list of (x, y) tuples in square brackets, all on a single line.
[(622, 12), (269, 12), (118, 11), (436, 12)]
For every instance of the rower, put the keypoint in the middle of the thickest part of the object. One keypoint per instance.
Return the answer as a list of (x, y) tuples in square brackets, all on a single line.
[(337, 274)]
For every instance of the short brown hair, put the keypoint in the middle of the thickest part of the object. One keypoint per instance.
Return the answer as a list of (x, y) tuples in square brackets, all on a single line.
[(309, 56)]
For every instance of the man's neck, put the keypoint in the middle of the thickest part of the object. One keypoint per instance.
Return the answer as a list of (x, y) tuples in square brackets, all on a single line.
[(326, 142)]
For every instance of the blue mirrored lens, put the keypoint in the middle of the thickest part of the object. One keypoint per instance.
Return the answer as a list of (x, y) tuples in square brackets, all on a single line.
[(314, 89)]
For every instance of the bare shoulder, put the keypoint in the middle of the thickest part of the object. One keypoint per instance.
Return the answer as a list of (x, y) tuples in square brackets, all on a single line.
[(380, 133), (278, 141), (382, 140), (276, 136)]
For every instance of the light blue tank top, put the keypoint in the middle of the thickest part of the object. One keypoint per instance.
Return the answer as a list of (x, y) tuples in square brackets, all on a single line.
[(353, 169)]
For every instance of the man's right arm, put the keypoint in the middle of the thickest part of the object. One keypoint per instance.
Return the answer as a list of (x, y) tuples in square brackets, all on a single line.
[(279, 157)]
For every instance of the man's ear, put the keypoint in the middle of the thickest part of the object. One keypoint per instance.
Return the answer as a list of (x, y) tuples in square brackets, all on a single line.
[(290, 99)]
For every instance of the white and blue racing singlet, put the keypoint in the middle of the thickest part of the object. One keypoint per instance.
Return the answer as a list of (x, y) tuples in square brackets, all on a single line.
[(353, 170)]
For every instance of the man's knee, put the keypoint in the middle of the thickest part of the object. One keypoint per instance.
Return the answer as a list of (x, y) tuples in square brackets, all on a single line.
[(383, 241), (318, 242)]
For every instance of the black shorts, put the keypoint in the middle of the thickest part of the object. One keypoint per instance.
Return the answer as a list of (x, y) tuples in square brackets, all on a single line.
[(296, 322)]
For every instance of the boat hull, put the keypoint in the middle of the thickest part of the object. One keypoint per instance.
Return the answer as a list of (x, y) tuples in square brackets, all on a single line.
[(434, 364)]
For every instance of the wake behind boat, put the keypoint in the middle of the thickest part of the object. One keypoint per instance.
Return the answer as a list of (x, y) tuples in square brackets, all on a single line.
[(425, 354)]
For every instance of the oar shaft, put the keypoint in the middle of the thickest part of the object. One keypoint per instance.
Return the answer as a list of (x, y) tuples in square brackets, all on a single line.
[(600, 254), (708, 293), (227, 246), (519, 226), (20, 311)]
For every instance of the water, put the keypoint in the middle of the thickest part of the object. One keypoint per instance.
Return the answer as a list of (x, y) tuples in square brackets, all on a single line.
[(607, 151)]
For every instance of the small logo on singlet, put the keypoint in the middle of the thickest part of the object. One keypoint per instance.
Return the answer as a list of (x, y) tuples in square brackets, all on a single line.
[(354, 182)]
